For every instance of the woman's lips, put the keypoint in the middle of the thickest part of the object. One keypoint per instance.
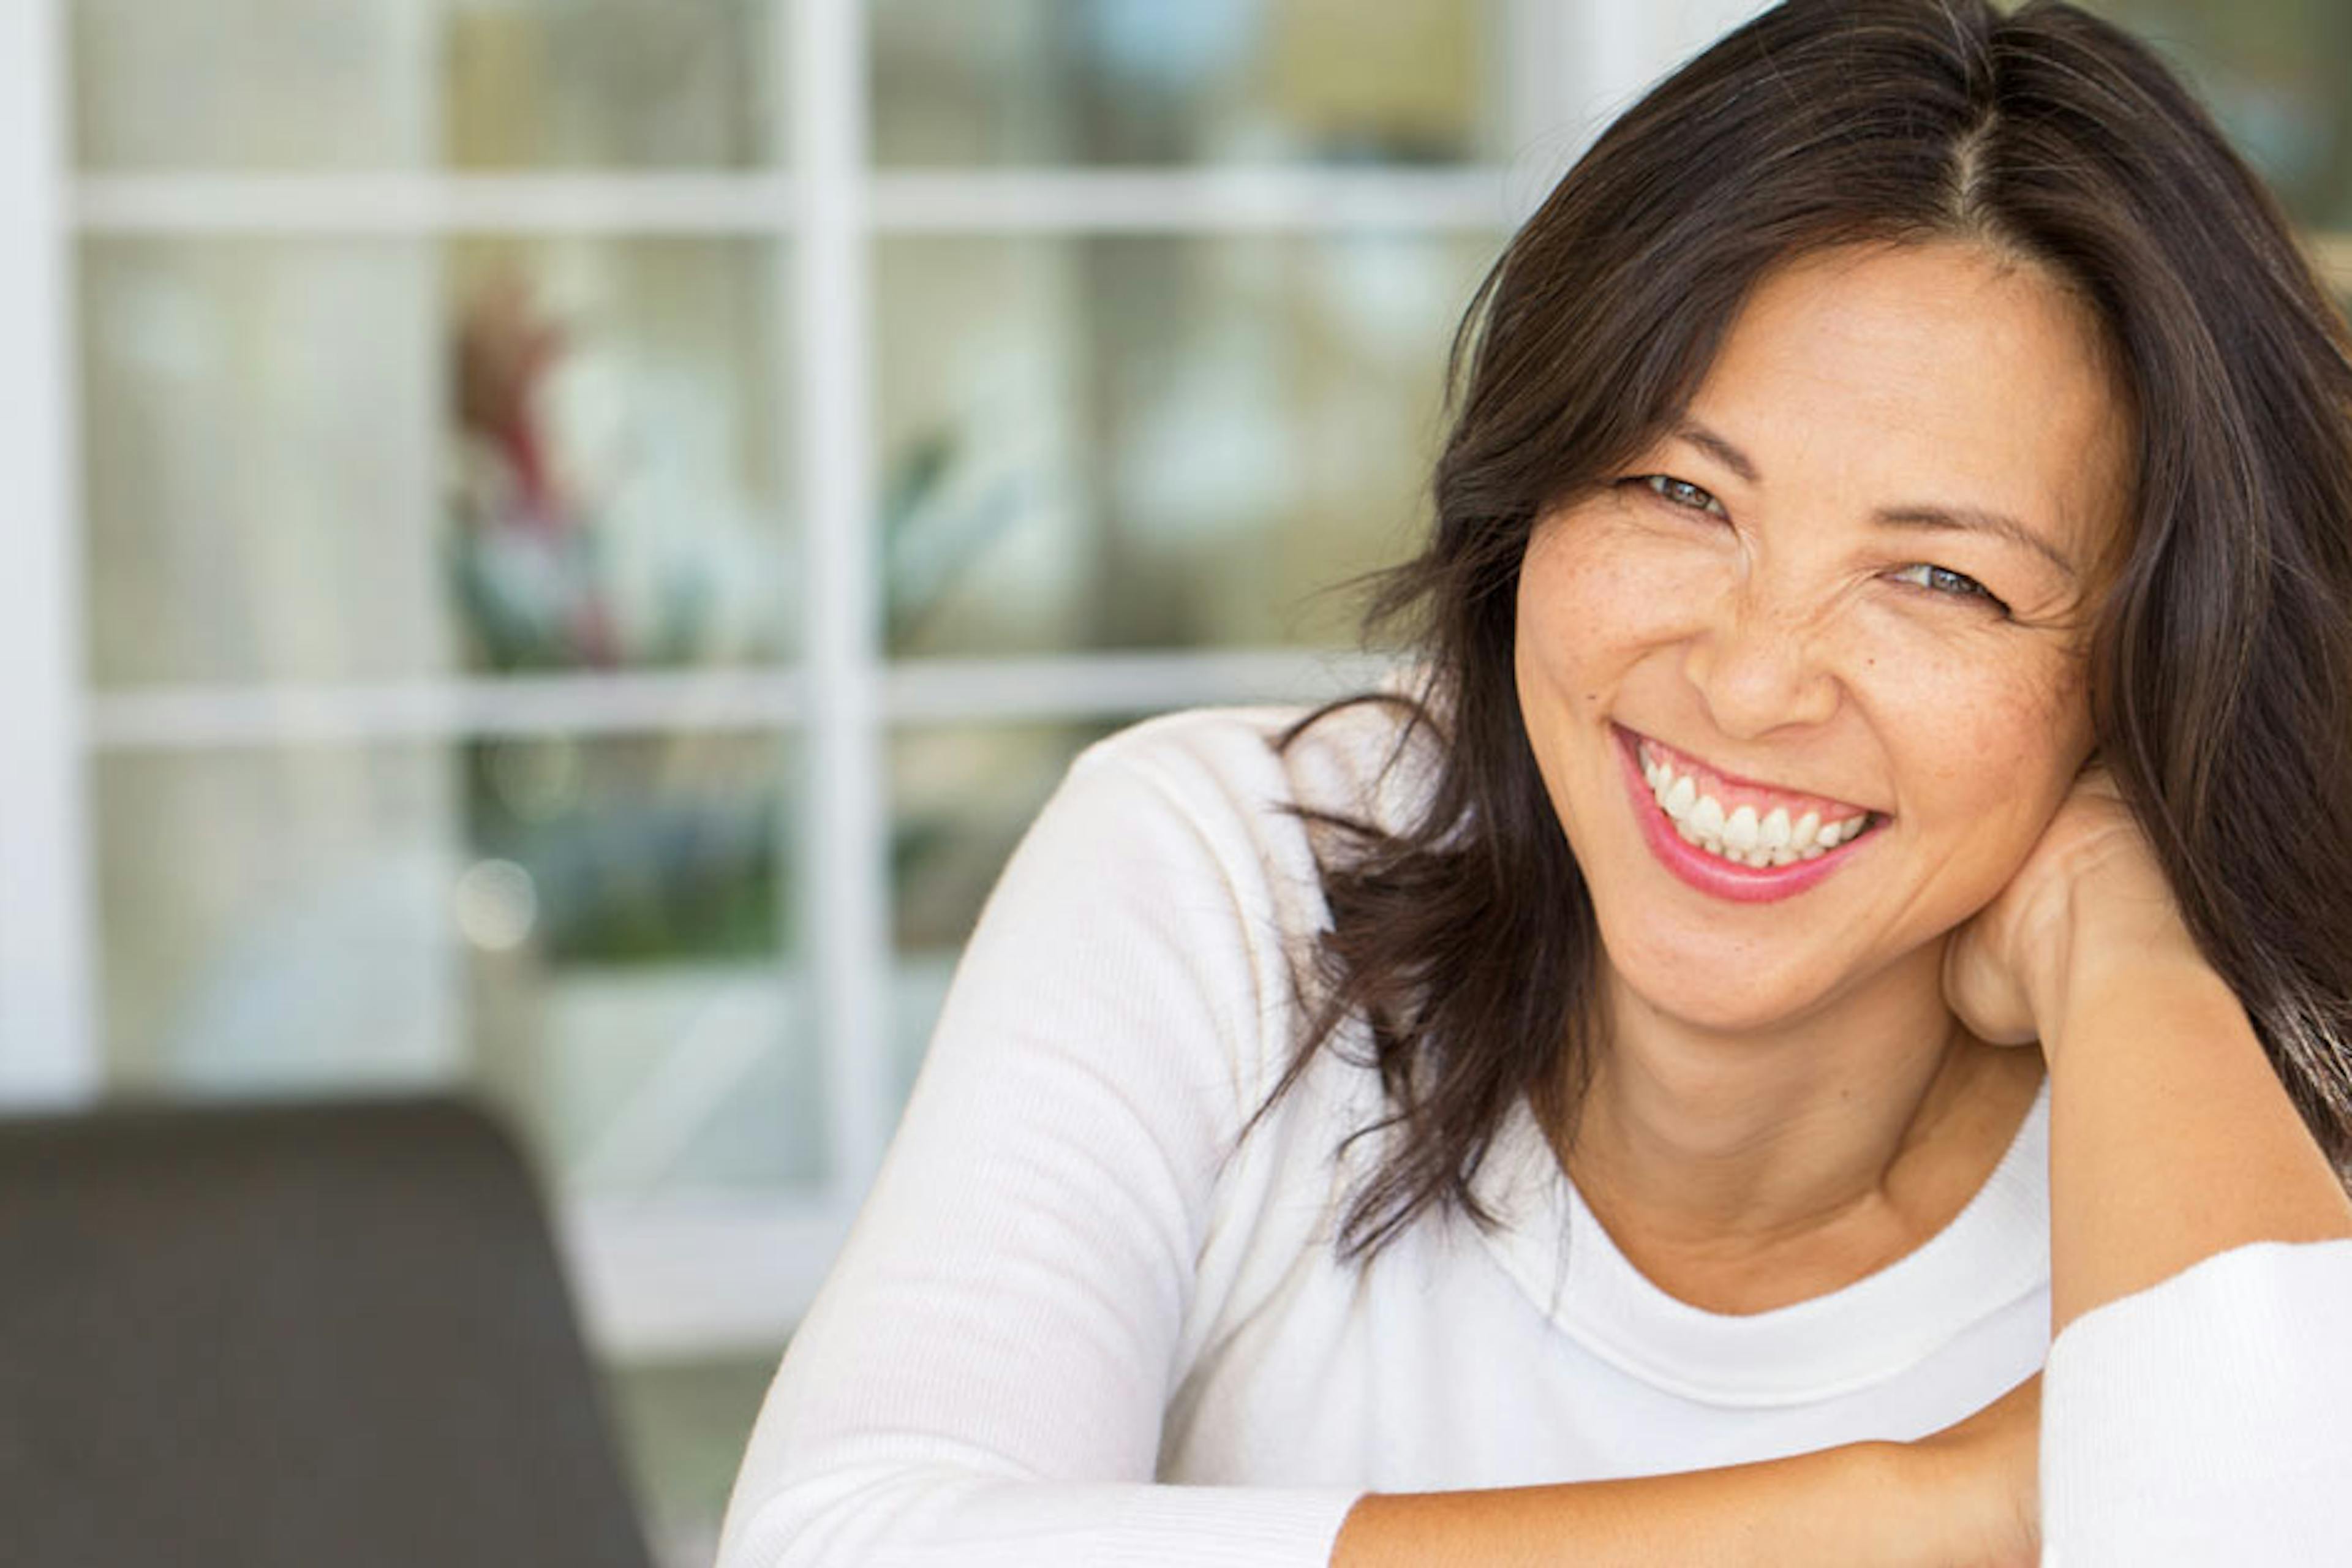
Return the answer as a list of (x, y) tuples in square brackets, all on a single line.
[(1710, 873)]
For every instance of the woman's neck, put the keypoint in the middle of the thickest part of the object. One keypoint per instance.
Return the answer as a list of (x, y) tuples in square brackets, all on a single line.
[(1756, 1167)]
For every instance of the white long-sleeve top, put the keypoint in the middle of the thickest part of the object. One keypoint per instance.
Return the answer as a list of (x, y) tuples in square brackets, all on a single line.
[(1079, 1323)]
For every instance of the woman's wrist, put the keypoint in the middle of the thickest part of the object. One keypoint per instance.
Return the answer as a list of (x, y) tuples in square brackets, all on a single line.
[(2108, 938), (1971, 1491)]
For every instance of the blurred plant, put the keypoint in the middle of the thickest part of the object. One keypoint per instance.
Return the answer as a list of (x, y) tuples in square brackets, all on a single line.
[(555, 562), (940, 513), (633, 851), (524, 551), (665, 848)]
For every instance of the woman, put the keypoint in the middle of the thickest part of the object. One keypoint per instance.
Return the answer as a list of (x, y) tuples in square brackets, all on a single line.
[(1885, 631)]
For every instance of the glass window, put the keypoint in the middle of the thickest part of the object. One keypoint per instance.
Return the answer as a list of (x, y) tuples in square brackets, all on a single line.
[(1147, 81), (257, 453), (321, 460), (275, 921), (616, 494), (1144, 442), (595, 932), (314, 85)]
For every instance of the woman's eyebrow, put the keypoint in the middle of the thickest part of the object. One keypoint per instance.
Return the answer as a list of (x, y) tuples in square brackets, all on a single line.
[(1964, 518), (1976, 520), (1715, 447)]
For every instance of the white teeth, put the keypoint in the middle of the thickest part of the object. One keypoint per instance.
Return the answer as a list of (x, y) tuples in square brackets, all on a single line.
[(1740, 836), (1707, 815), (1739, 829), (1836, 833)]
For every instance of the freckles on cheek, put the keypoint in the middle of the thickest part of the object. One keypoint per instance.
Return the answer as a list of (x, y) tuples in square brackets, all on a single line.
[(1594, 592), (2014, 760), (2052, 717)]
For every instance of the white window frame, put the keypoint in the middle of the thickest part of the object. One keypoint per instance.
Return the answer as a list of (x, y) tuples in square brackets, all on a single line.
[(47, 1006)]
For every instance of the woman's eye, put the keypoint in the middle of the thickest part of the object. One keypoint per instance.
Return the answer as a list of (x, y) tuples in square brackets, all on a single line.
[(1683, 493), (1944, 579)]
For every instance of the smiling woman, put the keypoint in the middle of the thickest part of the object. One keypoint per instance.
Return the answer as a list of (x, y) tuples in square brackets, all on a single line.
[(1845, 910)]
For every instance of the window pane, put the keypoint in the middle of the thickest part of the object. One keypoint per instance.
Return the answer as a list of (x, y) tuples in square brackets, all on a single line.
[(392, 84), (1147, 81), (594, 931), (1119, 442), (316, 460), (2278, 73), (258, 440), (617, 499), (961, 797)]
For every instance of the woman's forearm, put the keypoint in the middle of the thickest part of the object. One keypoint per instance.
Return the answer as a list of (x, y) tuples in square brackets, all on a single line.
[(2172, 1138), (1855, 1504)]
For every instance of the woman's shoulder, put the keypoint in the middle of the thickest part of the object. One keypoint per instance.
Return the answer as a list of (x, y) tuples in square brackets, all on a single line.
[(1186, 844)]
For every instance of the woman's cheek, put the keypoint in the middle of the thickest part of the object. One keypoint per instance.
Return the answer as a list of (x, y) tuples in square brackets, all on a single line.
[(1960, 672), (1991, 755), (1616, 590)]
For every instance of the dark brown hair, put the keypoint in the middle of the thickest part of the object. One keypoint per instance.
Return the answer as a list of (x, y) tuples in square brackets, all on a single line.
[(2221, 654)]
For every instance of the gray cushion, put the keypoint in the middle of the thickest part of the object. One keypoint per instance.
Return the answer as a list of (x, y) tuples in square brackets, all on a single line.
[(292, 1334)]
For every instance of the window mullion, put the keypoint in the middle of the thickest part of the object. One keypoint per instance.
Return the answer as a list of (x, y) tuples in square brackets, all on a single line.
[(48, 1014), (829, 346)]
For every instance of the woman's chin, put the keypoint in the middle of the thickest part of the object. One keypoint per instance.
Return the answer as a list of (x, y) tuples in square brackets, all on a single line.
[(1707, 990)]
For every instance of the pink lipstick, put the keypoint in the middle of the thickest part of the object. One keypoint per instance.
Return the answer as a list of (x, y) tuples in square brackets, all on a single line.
[(1712, 874)]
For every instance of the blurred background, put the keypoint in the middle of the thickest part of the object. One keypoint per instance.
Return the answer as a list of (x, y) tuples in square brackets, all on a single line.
[(556, 545)]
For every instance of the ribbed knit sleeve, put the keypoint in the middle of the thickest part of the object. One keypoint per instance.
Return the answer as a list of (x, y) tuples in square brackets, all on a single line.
[(2207, 1420), (983, 1379)]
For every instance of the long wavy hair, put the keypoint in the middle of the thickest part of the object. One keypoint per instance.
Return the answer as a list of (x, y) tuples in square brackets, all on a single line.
[(2221, 660)]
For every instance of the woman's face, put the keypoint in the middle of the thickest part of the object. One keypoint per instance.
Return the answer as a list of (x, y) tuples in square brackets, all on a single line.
[(1850, 586)]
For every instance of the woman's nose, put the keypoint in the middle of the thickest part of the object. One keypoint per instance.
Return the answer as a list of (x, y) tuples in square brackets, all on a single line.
[(1760, 663)]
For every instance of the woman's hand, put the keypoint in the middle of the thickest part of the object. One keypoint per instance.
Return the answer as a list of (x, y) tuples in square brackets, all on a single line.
[(1988, 1467), (2091, 889)]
